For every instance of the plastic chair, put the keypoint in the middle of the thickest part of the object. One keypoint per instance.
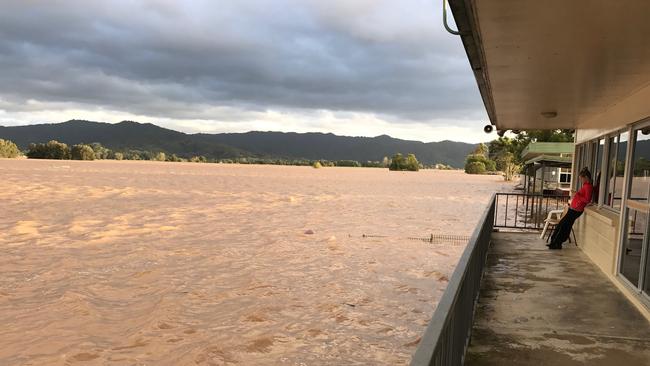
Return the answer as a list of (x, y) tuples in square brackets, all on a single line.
[(552, 219)]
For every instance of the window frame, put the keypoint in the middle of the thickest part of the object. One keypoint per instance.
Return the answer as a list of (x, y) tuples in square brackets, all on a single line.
[(638, 288), (613, 140)]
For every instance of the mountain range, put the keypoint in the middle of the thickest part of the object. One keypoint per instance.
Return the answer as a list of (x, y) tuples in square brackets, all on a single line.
[(129, 135)]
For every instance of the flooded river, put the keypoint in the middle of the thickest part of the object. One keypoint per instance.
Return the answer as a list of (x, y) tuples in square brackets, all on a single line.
[(147, 263)]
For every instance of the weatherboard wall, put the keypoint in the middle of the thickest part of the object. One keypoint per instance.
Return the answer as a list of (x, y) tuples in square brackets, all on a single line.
[(597, 232)]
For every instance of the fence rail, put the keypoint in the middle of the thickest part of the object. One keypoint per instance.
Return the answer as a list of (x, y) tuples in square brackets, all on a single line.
[(525, 211), (446, 338)]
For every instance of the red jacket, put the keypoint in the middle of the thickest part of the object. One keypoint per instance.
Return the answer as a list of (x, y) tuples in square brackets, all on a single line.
[(582, 197)]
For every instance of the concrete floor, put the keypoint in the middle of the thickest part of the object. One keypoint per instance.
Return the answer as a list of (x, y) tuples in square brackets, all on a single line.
[(543, 307)]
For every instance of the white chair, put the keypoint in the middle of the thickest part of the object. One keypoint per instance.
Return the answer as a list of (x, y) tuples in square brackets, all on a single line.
[(552, 219)]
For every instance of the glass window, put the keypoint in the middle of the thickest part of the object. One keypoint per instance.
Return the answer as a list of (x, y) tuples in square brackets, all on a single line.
[(611, 167), (640, 186), (579, 161), (620, 170), (616, 170), (565, 175), (598, 163), (635, 231)]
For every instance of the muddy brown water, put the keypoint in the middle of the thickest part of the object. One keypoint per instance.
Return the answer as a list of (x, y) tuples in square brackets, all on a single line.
[(145, 263)]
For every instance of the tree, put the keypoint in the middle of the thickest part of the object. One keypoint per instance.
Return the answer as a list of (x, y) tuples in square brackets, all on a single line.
[(8, 149), (202, 159), (385, 162), (502, 145), (475, 167), (481, 149), (159, 157), (347, 163), (488, 165), (133, 155), (119, 156), (396, 162), (412, 163), (82, 152), (174, 158), (100, 151), (546, 136), (50, 150), (510, 167), (400, 163)]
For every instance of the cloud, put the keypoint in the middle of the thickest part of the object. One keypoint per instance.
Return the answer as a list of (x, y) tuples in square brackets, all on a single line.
[(237, 62)]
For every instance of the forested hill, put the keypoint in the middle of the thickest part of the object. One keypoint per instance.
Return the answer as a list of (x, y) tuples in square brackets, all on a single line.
[(145, 136)]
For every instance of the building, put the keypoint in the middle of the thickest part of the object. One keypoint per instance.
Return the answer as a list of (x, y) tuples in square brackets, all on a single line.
[(582, 65), (547, 168)]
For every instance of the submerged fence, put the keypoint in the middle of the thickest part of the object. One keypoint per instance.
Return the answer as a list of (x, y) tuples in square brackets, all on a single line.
[(446, 338), (436, 239), (525, 211)]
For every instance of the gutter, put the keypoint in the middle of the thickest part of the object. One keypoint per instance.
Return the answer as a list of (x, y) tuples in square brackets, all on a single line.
[(464, 12)]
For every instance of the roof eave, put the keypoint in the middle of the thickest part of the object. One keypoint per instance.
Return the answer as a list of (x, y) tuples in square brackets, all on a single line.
[(467, 23)]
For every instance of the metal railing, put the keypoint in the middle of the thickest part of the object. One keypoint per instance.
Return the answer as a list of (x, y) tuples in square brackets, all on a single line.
[(446, 338), (525, 211)]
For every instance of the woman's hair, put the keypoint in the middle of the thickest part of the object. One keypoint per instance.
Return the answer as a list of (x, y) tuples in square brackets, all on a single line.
[(585, 173)]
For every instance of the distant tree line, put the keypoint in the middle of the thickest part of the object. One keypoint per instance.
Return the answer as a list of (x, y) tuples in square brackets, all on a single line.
[(95, 151)]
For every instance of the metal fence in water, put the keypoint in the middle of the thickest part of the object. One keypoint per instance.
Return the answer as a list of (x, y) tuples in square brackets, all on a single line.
[(525, 211), (446, 338), (436, 239)]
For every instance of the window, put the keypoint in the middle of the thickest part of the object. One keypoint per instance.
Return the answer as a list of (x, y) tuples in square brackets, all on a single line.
[(598, 164), (633, 239), (615, 170), (640, 185), (617, 192), (579, 163), (589, 155), (565, 175), (634, 256)]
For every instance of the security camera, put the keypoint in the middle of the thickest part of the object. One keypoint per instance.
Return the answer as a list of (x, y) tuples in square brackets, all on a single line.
[(501, 133), (488, 128)]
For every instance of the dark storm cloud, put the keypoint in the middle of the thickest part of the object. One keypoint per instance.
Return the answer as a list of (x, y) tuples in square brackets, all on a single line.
[(173, 58)]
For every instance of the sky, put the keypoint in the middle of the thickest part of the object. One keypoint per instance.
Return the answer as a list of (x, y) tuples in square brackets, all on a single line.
[(350, 67)]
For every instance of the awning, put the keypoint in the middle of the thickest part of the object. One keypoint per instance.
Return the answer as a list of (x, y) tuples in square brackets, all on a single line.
[(548, 161)]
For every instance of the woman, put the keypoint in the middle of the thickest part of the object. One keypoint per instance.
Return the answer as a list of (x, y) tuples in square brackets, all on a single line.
[(578, 203)]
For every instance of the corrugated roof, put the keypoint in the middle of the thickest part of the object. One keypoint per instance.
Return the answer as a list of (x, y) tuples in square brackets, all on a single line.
[(547, 148), (548, 160)]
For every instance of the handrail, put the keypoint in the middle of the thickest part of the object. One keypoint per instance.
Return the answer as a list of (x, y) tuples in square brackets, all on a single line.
[(525, 211), (446, 337)]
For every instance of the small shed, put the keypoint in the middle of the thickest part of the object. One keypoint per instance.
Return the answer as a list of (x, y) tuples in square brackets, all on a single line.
[(546, 174), (547, 167)]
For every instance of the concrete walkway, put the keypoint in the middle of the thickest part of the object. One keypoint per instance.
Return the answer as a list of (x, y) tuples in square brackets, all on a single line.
[(543, 307)]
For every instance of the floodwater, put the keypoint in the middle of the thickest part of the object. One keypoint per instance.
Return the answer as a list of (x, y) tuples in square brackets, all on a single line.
[(147, 263)]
